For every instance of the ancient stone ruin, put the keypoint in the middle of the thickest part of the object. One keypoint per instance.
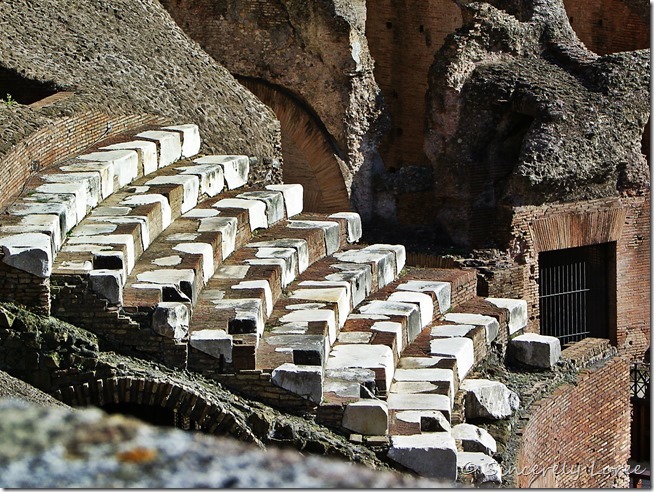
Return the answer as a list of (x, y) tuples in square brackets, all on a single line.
[(412, 235)]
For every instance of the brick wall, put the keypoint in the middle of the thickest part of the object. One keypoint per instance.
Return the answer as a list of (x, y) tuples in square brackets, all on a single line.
[(578, 437), (624, 221), (24, 288), (59, 140)]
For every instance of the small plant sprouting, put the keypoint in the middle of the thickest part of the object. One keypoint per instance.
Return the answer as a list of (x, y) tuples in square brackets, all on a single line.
[(8, 101)]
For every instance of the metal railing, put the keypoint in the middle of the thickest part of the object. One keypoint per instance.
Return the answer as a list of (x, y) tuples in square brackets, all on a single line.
[(640, 380)]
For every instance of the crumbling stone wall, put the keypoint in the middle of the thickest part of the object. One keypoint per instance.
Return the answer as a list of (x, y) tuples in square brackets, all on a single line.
[(315, 50)]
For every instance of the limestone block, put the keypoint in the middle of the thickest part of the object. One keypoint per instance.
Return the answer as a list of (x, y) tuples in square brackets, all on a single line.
[(406, 310), (105, 171), (474, 439), (166, 212), (384, 263), (191, 184), (349, 337), (306, 381), (184, 278), (378, 357), (359, 276), (131, 219), (368, 417), (90, 181), (171, 319), (147, 152), (62, 206), (190, 138), (232, 271), (110, 260), (172, 260), (39, 223), (336, 295), (349, 382), (445, 376), (93, 229), (307, 350), (300, 245), (354, 229), (391, 327), (235, 168), (126, 240), (169, 145), (447, 331), (488, 399), (490, 324), (423, 301), (108, 284), (210, 177), (204, 249), (248, 315), (330, 229), (429, 455), (462, 349), (293, 197), (274, 201), (478, 469), (125, 164), (216, 343), (398, 250), (288, 255), (517, 312), (258, 284), (419, 362), (108, 211), (30, 252), (429, 420), (256, 210), (76, 190), (280, 262), (535, 350), (307, 315), (442, 291), (228, 229)]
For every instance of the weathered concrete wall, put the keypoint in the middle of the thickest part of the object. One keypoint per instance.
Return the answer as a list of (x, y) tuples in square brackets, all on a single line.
[(129, 58), (317, 51), (579, 436)]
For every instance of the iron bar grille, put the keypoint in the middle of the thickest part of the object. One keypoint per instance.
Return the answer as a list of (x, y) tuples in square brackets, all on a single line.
[(640, 379), (573, 293)]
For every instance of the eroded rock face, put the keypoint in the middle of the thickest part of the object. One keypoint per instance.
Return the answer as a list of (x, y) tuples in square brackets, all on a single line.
[(316, 51), (521, 113)]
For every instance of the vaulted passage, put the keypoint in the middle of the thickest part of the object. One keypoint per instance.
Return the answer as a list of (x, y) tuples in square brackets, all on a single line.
[(15, 87), (577, 292)]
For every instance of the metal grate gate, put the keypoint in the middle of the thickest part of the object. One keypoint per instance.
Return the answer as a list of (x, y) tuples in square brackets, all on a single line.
[(574, 301)]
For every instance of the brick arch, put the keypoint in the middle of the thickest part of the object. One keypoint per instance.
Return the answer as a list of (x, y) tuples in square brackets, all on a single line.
[(187, 403), (311, 157)]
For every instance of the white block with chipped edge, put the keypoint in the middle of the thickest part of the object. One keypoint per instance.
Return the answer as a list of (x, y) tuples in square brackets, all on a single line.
[(406, 310), (474, 439), (490, 324), (91, 181), (232, 271), (201, 213), (166, 212), (37, 223), (62, 206), (354, 229), (256, 210), (461, 349), (250, 310), (308, 315), (293, 197), (203, 249), (433, 420), (360, 281), (93, 229), (368, 417), (441, 290), (171, 320), (337, 295), (217, 343), (384, 263), (280, 262), (110, 211), (147, 153), (126, 240), (397, 249), (179, 277), (191, 186), (432, 375), (300, 245), (289, 255), (365, 357), (77, 190), (488, 399), (330, 284), (258, 284), (30, 252), (306, 381), (131, 219), (227, 226), (350, 337), (332, 231), (535, 350), (169, 145), (211, 177), (82, 265), (447, 331), (391, 327), (236, 168), (125, 163), (517, 312), (108, 284), (105, 171), (419, 362), (274, 201), (420, 401), (430, 455), (479, 469), (415, 387), (191, 141), (112, 260), (423, 301)]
